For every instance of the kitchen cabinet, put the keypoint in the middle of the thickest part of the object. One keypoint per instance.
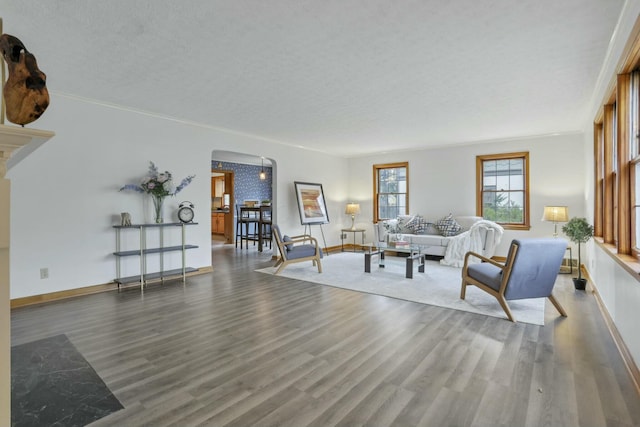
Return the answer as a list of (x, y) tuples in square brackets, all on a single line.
[(217, 222)]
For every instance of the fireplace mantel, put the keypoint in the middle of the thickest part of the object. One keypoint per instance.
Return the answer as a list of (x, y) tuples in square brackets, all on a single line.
[(22, 141)]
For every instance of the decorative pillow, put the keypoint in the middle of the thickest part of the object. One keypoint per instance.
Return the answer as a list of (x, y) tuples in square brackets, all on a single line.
[(391, 226), (403, 223), (287, 239), (417, 225), (448, 226)]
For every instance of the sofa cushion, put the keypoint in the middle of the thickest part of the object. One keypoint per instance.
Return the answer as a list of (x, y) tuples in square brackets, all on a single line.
[(426, 239), (448, 226), (302, 251), (486, 273), (431, 228)]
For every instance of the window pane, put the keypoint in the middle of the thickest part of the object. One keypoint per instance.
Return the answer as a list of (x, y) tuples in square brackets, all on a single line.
[(516, 215), (637, 182), (516, 166), (516, 174), (517, 198), (516, 182), (402, 204), (636, 208), (489, 206), (502, 182), (489, 199), (402, 186), (490, 183), (489, 167)]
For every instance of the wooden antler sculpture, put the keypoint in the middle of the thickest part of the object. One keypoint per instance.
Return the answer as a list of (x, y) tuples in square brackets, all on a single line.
[(25, 92)]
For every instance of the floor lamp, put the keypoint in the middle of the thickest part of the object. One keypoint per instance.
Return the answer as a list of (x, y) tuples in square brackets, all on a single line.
[(555, 214)]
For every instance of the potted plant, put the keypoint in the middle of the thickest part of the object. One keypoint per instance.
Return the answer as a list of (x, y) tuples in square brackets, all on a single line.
[(266, 202), (579, 231)]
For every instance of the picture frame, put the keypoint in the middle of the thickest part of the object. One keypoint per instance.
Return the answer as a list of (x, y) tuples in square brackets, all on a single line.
[(312, 206)]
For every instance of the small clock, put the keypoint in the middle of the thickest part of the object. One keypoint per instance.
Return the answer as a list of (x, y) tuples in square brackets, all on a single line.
[(185, 212)]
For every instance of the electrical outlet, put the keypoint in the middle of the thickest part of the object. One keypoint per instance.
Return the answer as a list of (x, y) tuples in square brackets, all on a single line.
[(344, 236), (44, 273)]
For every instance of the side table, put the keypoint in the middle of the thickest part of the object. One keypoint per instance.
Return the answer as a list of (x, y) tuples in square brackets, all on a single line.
[(354, 231), (562, 267)]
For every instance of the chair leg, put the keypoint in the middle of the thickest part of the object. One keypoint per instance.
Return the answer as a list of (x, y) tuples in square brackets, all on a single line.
[(505, 307), (255, 236), (266, 235), (280, 268), (319, 266), (463, 289), (246, 236), (557, 305)]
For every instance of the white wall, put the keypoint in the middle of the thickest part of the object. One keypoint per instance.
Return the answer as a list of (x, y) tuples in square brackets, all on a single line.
[(443, 180), (65, 196)]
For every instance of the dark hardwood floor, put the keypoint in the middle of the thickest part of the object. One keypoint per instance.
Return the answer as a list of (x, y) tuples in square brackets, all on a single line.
[(242, 348)]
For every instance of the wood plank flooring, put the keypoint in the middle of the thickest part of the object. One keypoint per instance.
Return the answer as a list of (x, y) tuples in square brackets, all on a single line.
[(240, 348)]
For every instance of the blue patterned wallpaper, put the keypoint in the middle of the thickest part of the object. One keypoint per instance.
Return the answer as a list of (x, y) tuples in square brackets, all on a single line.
[(247, 184)]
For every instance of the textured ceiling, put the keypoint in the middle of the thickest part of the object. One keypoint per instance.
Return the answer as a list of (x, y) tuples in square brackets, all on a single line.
[(347, 77)]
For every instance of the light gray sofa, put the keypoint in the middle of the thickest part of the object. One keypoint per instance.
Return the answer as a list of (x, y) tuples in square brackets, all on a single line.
[(431, 235)]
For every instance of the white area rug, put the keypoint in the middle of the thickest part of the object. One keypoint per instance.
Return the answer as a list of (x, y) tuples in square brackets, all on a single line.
[(438, 285)]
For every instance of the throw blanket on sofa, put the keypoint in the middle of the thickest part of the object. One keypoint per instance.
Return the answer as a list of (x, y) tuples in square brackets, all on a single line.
[(471, 240)]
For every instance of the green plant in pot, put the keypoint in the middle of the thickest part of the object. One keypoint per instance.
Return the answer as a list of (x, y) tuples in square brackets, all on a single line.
[(579, 231)]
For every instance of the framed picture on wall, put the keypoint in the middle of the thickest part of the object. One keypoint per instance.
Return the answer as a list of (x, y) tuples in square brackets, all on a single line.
[(311, 203)]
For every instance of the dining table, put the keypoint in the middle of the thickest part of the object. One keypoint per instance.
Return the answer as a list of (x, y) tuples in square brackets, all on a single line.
[(263, 215)]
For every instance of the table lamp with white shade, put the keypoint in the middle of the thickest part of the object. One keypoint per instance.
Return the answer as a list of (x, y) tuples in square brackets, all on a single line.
[(352, 209), (555, 214)]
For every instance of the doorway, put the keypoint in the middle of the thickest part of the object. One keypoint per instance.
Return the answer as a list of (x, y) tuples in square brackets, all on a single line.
[(242, 182), (221, 213)]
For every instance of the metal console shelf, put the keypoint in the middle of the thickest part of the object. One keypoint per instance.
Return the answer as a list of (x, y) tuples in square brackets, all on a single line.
[(143, 251)]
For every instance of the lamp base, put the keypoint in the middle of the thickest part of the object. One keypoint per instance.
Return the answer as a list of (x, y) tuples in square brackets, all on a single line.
[(353, 223)]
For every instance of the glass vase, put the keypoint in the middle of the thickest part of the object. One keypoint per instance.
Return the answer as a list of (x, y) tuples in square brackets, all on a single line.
[(157, 208)]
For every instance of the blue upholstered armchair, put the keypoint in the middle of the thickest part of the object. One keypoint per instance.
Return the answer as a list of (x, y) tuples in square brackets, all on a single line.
[(297, 249), (530, 271)]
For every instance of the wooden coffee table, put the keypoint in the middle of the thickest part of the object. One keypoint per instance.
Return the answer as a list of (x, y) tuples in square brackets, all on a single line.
[(414, 253)]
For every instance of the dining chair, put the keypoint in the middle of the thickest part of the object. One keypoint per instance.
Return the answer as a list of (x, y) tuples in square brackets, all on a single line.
[(246, 227), (265, 225)]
